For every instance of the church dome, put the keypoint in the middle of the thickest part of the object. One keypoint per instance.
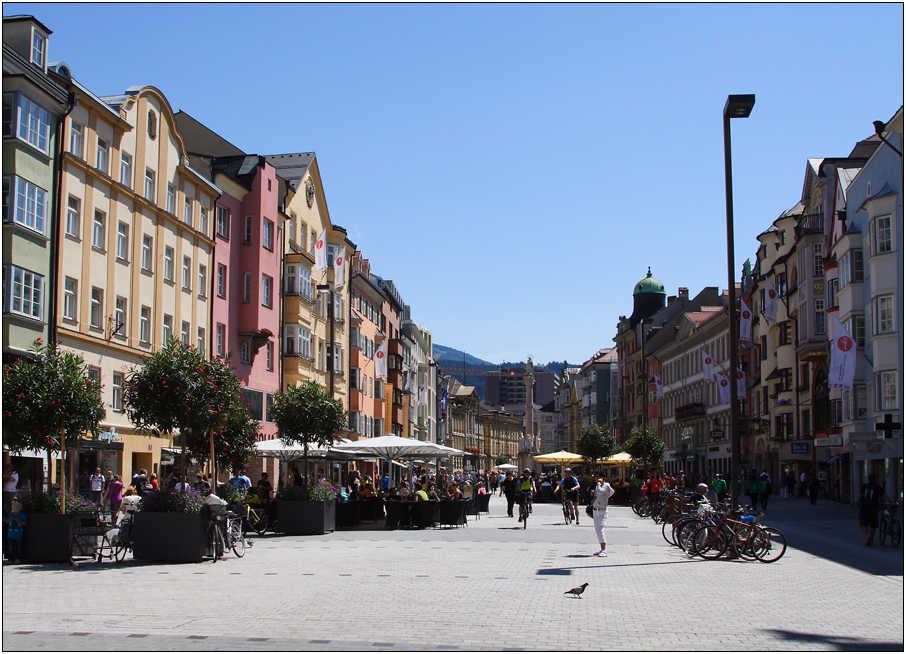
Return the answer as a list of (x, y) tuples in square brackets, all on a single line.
[(649, 285)]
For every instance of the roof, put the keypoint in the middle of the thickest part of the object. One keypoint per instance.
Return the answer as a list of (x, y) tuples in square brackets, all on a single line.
[(464, 390), (26, 17), (291, 167), (649, 285), (698, 318), (885, 190)]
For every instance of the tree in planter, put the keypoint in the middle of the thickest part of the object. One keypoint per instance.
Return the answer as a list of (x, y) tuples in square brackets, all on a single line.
[(47, 397), (177, 389), (645, 445), (234, 440), (502, 459), (595, 443), (306, 415)]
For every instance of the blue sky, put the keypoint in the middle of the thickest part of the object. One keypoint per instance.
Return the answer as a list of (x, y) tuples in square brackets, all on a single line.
[(516, 168)]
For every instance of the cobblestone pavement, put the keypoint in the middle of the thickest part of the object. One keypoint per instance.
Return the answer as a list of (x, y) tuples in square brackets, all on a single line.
[(491, 585)]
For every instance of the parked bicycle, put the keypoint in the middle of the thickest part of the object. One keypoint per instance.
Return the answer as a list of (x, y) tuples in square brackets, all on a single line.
[(122, 540), (888, 525)]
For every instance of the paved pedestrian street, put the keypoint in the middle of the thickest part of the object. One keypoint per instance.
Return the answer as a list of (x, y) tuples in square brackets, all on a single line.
[(489, 586)]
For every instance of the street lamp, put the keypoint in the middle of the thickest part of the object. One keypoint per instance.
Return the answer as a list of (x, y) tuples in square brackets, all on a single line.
[(330, 311), (738, 106)]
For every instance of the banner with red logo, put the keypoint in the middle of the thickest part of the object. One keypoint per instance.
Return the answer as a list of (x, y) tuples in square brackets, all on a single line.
[(339, 268), (745, 322), (707, 366), (723, 387), (770, 301), (380, 361), (843, 358), (740, 383), (660, 387), (321, 251)]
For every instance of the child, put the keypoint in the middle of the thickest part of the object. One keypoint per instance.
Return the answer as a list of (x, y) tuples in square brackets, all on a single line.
[(16, 521)]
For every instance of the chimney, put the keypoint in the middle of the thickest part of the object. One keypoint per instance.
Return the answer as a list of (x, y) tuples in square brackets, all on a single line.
[(683, 293), (671, 299)]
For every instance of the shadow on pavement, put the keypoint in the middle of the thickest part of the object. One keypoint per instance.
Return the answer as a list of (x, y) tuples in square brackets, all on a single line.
[(839, 643)]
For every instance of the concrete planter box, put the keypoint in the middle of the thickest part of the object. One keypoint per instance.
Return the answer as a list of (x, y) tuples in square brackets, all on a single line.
[(169, 537), (306, 518), (46, 538)]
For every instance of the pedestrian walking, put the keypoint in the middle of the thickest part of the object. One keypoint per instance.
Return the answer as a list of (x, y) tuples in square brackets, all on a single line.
[(784, 484), (15, 531), (97, 486), (813, 486), (114, 494), (508, 488), (764, 490), (720, 487), (601, 496), (752, 491), (869, 504)]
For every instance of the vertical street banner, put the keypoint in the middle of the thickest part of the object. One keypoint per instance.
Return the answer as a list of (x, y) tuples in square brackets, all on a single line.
[(422, 395), (843, 358), (740, 383), (339, 268), (723, 387), (770, 301), (321, 251), (443, 403), (380, 361), (707, 366), (659, 384), (745, 322)]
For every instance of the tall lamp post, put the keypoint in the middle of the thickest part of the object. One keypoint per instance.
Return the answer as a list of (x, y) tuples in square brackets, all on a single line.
[(738, 106)]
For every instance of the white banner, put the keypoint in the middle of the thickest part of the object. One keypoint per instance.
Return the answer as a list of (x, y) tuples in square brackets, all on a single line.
[(707, 366), (843, 358), (422, 395), (770, 301), (745, 322), (740, 383), (380, 361), (660, 387), (339, 268), (723, 387), (321, 251)]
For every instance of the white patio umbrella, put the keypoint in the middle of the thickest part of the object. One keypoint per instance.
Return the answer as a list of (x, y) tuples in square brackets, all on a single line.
[(391, 446), (277, 449)]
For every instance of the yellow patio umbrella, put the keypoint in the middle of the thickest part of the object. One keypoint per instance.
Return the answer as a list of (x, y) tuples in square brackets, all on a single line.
[(621, 460), (560, 458)]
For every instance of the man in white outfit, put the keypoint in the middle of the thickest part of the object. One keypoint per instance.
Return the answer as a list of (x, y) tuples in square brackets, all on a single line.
[(602, 494)]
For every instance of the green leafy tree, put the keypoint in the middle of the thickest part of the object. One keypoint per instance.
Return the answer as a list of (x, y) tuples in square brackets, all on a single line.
[(595, 443), (47, 398), (306, 415), (502, 459), (177, 389), (645, 445)]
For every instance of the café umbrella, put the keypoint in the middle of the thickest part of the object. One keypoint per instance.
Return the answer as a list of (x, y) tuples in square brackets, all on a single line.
[(560, 458)]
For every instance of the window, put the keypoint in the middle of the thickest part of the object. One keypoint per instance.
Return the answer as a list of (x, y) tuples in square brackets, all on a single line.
[(255, 400), (354, 378), (149, 185), (27, 298), (336, 359), (168, 328), (855, 327), (267, 284), (764, 348), (101, 163), (119, 327), (851, 269), (94, 374), (804, 377), (818, 259), (184, 333), (268, 234), (886, 383), (171, 199), (99, 232), (122, 241), (297, 341), (73, 216), (881, 238), (200, 344), (187, 211), (832, 289), (884, 318), (38, 48), (34, 124), (245, 351), (269, 356), (780, 280), (819, 316), (268, 403), (118, 391), (202, 280), (785, 336), (76, 138), (247, 287), (187, 273), (221, 338), (861, 399), (97, 308), (147, 252), (152, 125), (203, 220), (292, 226), (126, 169), (223, 221), (144, 332), (31, 205), (221, 280), (379, 389), (247, 238), (169, 255), (70, 298)]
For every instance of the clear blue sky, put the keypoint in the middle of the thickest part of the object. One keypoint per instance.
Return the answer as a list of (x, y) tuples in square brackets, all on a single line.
[(515, 169)]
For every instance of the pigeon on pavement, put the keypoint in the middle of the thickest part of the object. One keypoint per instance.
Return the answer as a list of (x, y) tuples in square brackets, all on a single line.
[(577, 591)]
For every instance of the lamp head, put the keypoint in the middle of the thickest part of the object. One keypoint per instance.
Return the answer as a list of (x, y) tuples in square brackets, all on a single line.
[(739, 106)]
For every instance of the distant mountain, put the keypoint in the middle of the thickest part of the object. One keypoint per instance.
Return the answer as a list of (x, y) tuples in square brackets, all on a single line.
[(444, 353)]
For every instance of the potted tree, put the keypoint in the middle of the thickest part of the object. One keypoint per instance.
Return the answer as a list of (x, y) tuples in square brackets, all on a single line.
[(645, 445), (306, 415), (178, 390)]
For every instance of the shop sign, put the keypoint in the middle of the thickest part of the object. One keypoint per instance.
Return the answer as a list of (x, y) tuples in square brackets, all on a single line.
[(830, 441), (798, 448), (864, 436)]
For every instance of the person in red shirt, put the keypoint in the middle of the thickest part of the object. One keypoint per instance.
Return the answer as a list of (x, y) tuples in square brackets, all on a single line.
[(655, 486)]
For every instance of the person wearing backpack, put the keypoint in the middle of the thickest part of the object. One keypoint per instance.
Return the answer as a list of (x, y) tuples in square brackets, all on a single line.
[(869, 503)]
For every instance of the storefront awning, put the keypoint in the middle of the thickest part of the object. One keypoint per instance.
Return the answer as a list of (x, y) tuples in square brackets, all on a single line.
[(831, 460)]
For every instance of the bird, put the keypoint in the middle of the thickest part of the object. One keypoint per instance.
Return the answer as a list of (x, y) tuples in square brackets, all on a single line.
[(577, 591)]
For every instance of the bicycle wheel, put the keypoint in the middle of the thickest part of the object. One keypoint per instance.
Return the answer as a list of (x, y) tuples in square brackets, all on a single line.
[(896, 532), (216, 541), (746, 542), (773, 545), (262, 524), (882, 530), (685, 530), (709, 541), (667, 529), (237, 538), (567, 514)]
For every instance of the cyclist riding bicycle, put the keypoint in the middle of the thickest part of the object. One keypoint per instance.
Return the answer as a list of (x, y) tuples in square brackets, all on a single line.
[(570, 487), (526, 488)]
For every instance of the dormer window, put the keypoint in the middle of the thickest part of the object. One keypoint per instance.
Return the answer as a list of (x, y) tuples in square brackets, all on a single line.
[(38, 49), (152, 125)]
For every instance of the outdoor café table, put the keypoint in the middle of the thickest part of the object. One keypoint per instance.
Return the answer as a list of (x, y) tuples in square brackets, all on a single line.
[(425, 513)]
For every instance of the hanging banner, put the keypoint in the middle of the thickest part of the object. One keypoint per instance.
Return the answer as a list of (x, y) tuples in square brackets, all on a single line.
[(843, 358)]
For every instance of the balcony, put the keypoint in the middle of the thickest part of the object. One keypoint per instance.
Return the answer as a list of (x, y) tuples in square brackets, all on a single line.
[(688, 411)]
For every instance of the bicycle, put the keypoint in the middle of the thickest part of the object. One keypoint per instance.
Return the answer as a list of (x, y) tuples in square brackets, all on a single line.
[(565, 499), (225, 533), (889, 525), (122, 540), (256, 515), (524, 499)]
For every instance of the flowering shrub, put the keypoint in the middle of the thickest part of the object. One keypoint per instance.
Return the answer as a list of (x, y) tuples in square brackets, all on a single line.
[(322, 492), (228, 494), (171, 501), (50, 502)]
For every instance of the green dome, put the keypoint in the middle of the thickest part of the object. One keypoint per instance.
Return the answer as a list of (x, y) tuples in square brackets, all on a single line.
[(649, 285)]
